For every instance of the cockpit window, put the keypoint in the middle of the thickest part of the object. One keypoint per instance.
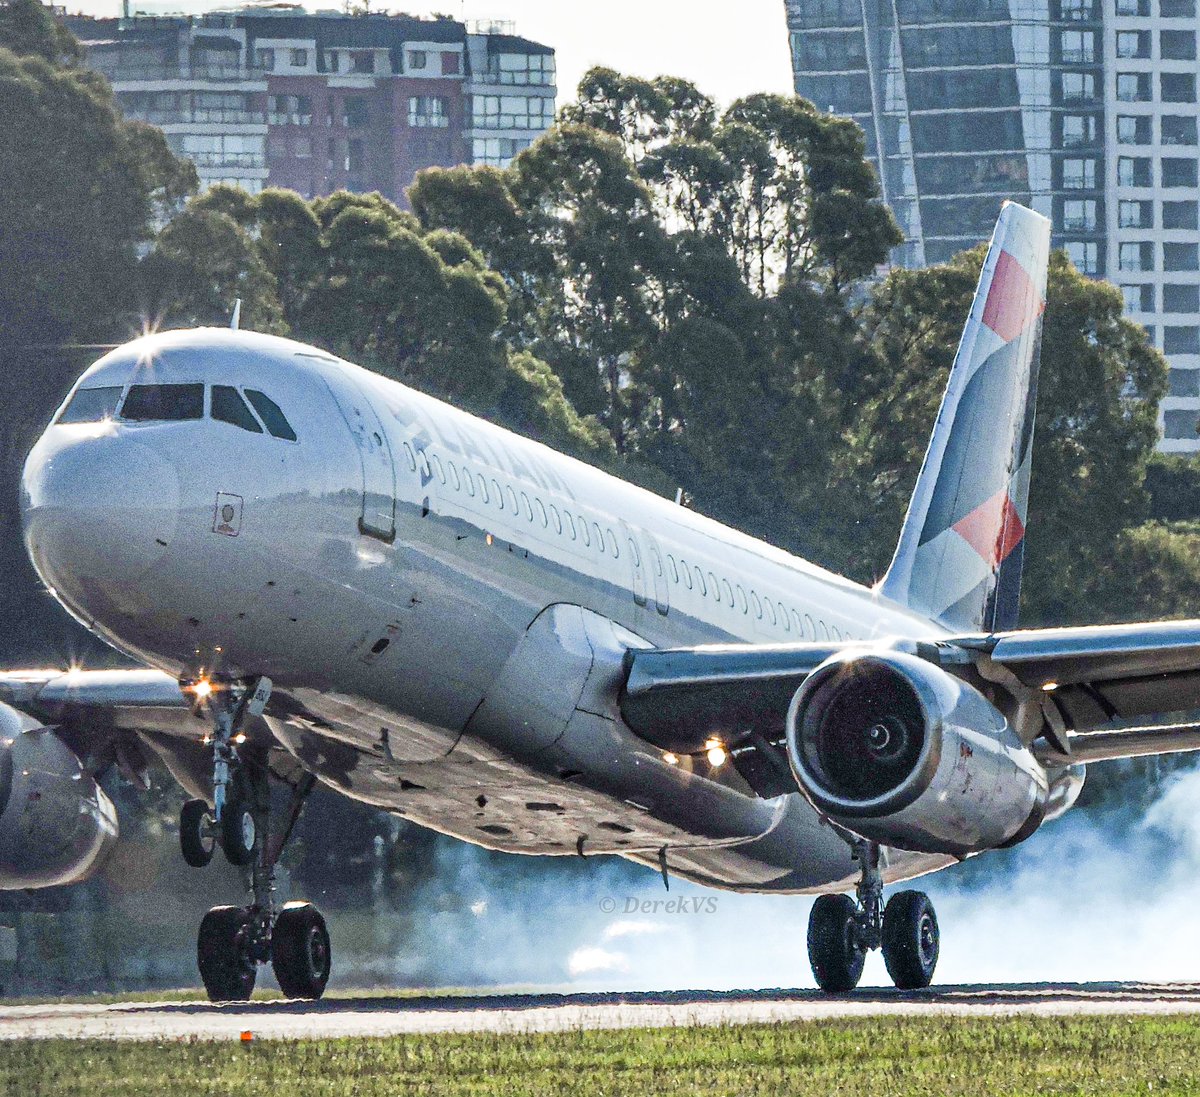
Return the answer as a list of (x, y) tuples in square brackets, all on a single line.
[(271, 414), (92, 405), (229, 407), (147, 403)]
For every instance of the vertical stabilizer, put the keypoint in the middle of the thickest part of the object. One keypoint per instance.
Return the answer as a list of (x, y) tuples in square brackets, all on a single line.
[(962, 546)]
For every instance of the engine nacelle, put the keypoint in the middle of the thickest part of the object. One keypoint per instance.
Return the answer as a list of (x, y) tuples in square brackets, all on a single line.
[(56, 823), (895, 749)]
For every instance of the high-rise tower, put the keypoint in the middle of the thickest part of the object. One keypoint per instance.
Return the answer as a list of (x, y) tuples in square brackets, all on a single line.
[(1084, 109)]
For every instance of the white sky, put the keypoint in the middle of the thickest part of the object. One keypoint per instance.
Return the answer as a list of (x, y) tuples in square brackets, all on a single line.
[(727, 47)]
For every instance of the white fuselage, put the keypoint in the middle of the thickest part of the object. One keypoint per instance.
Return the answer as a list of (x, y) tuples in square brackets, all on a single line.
[(441, 604)]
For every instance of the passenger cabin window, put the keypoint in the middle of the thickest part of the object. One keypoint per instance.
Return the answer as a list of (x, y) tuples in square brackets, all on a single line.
[(229, 407), (271, 414), (92, 405), (163, 403)]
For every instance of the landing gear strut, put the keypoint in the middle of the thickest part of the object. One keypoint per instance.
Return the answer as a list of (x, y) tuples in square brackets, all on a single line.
[(842, 931), (233, 941)]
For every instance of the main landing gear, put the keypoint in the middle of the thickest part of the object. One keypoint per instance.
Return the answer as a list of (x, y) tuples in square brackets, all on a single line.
[(842, 931), (233, 941)]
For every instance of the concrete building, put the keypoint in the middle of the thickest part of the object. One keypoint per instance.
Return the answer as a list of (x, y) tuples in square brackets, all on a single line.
[(1085, 109), (275, 96)]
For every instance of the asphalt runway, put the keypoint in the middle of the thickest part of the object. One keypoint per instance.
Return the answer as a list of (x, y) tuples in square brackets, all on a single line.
[(380, 1016)]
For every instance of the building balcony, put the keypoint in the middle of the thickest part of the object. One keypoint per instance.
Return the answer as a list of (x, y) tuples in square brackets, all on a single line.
[(276, 118), (516, 79), (226, 159), (131, 74), (198, 117)]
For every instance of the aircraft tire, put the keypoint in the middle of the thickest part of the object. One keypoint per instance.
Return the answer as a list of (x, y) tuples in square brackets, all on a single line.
[(195, 840), (222, 955), (911, 939), (239, 833), (833, 951), (300, 951)]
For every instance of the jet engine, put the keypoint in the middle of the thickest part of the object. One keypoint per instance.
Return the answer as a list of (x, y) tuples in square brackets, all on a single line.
[(56, 823), (896, 750)]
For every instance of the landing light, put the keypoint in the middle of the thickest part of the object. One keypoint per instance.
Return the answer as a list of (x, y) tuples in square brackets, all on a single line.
[(201, 689), (1049, 687), (716, 753), (671, 759)]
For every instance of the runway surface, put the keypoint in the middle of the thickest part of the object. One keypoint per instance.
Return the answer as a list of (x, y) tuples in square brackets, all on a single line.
[(376, 1016)]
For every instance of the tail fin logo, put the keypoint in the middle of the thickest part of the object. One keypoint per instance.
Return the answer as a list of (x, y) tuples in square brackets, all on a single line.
[(961, 550)]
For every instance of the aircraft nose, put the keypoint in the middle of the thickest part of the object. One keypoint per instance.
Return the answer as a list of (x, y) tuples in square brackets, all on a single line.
[(98, 510)]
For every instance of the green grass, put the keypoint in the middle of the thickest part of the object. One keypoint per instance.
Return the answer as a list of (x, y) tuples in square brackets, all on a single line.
[(893, 1056)]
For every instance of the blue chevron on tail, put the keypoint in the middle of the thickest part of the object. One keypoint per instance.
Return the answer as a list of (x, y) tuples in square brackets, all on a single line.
[(961, 549)]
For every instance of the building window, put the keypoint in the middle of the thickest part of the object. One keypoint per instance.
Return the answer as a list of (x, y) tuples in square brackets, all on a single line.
[(1179, 215), (1134, 215), (1177, 9), (1177, 172), (428, 110), (1178, 131), (1177, 45), (1077, 45), (523, 112), (1136, 256), (416, 59), (1085, 254), (1133, 43), (1177, 298), (1133, 129), (1079, 174), (496, 151), (1133, 87), (1184, 382), (451, 64), (362, 61), (1177, 87), (1078, 85), (538, 68), (1079, 214), (1181, 340), (1078, 129), (265, 59), (1076, 10), (1133, 171), (1179, 424), (1180, 257), (1133, 7), (354, 112), (302, 148), (299, 59), (1138, 298)]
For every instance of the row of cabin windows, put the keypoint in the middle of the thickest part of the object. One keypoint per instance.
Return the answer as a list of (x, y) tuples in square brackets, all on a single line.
[(178, 403), (722, 592), (578, 529), (506, 498)]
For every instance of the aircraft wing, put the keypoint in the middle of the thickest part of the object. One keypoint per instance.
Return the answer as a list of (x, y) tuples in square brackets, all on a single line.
[(1103, 676)]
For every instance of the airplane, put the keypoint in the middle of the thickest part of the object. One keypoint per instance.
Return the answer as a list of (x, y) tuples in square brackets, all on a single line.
[(330, 578)]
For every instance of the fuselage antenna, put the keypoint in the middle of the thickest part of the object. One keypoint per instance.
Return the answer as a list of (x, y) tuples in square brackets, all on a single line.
[(236, 319)]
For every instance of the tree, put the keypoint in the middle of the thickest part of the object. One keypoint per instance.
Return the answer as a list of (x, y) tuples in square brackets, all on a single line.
[(80, 192)]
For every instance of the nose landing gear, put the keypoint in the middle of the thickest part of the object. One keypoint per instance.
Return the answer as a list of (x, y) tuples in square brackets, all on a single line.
[(841, 932), (233, 941)]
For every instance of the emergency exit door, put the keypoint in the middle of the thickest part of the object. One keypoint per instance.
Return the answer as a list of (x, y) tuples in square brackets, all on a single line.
[(378, 515)]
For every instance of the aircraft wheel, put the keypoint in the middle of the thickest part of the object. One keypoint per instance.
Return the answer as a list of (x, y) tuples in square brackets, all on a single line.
[(910, 939), (300, 952), (833, 949), (239, 831), (222, 954), (196, 839)]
